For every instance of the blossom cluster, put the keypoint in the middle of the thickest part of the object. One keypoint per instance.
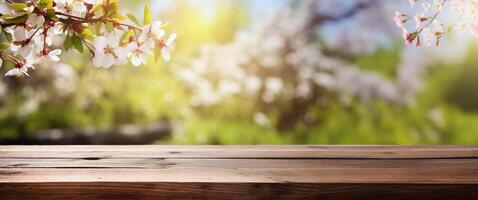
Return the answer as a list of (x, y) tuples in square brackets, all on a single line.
[(286, 63), (426, 28), (39, 31)]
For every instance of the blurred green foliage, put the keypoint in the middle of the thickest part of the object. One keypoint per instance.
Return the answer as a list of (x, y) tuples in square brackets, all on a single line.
[(434, 118), (445, 112)]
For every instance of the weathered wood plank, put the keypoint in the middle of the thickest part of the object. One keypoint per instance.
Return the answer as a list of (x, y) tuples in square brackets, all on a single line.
[(234, 191), (238, 172), (430, 175), (283, 152), (145, 163)]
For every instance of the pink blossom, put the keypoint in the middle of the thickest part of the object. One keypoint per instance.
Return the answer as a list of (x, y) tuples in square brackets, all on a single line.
[(428, 36), (408, 37), (419, 19), (474, 29), (399, 19)]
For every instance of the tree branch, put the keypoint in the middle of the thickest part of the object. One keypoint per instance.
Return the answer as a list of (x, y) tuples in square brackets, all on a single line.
[(320, 19)]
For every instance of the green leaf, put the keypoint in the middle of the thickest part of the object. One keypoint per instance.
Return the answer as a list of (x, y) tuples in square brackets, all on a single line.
[(165, 25), (147, 15), (87, 34), (133, 18), (52, 15), (126, 35), (98, 28), (98, 10), (119, 17), (4, 46), (16, 20), (76, 40), (67, 44), (8, 36), (110, 27), (18, 6), (113, 9), (46, 4)]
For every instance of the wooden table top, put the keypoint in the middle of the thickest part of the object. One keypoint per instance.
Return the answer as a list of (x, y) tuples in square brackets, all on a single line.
[(237, 172)]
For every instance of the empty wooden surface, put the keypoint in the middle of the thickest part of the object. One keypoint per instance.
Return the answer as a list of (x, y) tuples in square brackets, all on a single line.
[(238, 172)]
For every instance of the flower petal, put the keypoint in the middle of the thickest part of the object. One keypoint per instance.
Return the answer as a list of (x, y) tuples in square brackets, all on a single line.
[(171, 39), (100, 43), (55, 52), (108, 61), (136, 60), (13, 72), (166, 54)]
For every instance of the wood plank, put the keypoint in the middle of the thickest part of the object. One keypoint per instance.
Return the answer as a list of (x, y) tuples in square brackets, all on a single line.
[(283, 152), (454, 171), (238, 172), (141, 163), (234, 191)]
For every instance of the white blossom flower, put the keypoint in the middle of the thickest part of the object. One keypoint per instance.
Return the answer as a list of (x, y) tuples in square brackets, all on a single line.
[(108, 51), (71, 7), (138, 54), (19, 33), (18, 72), (53, 33), (29, 9), (28, 63), (54, 55), (151, 32), (35, 20), (20, 36), (39, 36)]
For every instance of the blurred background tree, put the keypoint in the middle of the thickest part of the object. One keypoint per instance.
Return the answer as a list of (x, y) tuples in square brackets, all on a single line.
[(258, 72)]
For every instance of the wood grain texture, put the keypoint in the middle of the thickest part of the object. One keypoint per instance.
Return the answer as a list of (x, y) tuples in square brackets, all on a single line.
[(238, 172), (240, 151), (233, 191)]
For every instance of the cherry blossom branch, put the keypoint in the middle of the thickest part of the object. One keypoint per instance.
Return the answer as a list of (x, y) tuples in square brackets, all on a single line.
[(433, 18), (31, 28), (98, 20), (433, 30)]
